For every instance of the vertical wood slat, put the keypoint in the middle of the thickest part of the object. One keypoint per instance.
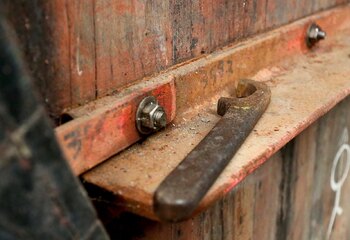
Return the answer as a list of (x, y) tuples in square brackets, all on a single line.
[(304, 163), (289, 197), (266, 209), (132, 40), (81, 40), (79, 50), (328, 143)]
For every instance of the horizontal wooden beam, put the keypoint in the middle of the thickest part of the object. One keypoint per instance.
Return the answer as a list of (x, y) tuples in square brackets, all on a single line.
[(305, 84), (104, 127)]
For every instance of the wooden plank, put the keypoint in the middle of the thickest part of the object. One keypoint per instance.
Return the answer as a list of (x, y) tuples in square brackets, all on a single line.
[(331, 135), (132, 40), (218, 19), (302, 180), (267, 182), (243, 215), (106, 126), (81, 40), (80, 50), (181, 19), (201, 27)]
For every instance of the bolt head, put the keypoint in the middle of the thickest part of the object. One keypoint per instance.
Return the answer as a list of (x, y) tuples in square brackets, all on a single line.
[(150, 116), (314, 34)]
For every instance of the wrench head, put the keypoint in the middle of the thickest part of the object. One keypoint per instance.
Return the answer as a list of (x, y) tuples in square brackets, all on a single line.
[(248, 94)]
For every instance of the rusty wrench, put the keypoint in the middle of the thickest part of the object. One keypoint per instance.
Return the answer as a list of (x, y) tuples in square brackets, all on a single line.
[(179, 194)]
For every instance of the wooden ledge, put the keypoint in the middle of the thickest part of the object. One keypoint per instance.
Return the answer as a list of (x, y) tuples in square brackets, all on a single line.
[(304, 87)]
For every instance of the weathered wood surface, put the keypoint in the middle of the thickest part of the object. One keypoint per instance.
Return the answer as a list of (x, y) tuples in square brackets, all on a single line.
[(96, 134), (303, 89), (106, 126), (81, 50), (290, 197)]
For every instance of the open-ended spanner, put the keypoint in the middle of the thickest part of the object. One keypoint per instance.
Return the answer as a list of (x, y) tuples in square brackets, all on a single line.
[(179, 194)]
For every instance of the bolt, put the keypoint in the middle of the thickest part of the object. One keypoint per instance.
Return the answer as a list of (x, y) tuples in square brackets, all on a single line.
[(150, 116), (314, 34), (159, 118)]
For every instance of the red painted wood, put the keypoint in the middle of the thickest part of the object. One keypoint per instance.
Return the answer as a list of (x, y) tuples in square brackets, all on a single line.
[(95, 47), (104, 127)]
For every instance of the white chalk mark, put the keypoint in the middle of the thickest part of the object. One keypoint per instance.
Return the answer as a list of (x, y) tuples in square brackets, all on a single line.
[(337, 185), (80, 72)]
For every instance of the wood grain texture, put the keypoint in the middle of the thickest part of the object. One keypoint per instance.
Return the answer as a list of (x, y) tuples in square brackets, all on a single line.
[(82, 55), (289, 197), (292, 109), (79, 50)]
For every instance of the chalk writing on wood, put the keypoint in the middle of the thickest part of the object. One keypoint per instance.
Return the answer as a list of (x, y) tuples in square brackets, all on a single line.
[(337, 184)]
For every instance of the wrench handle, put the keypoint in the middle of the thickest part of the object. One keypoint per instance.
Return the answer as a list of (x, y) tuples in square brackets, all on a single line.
[(179, 195)]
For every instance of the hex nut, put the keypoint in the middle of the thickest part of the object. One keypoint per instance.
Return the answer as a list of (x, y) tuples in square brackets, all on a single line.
[(150, 116)]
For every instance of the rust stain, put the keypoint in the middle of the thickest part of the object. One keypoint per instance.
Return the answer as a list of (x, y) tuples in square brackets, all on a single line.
[(107, 126), (198, 87)]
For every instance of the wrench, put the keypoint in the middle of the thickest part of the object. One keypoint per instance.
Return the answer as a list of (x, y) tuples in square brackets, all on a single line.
[(178, 196)]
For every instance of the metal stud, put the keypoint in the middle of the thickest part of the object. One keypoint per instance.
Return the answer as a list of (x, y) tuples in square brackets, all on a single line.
[(150, 116)]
